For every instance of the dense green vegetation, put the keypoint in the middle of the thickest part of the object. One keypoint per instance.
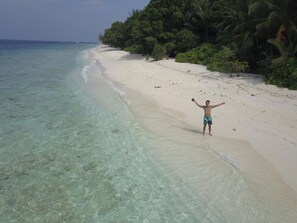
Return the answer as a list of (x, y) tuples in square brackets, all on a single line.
[(258, 36)]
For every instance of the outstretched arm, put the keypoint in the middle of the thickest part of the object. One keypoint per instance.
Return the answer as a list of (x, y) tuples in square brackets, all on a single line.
[(201, 106), (213, 106)]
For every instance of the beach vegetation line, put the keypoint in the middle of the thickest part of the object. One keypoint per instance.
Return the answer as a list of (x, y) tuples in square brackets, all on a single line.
[(258, 36)]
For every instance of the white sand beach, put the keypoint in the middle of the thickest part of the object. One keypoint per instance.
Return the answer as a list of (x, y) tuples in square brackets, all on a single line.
[(258, 117)]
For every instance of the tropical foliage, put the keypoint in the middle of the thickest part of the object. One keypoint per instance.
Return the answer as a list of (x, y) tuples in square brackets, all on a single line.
[(257, 36)]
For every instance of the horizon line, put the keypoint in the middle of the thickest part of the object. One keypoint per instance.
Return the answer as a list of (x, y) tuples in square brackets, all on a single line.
[(56, 41)]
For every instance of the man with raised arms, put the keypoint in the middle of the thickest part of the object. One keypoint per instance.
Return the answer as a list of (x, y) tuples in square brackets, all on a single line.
[(207, 114)]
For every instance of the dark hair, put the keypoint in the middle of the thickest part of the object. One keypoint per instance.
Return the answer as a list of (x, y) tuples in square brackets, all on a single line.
[(207, 101)]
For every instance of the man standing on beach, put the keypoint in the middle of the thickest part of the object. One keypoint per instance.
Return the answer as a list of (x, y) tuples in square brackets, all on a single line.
[(207, 114)]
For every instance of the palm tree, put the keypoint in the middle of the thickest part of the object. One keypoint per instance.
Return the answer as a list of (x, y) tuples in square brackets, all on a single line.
[(277, 23), (206, 15), (237, 29)]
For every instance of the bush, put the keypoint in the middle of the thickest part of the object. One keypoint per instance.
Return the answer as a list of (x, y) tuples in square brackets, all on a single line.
[(134, 49), (186, 40), (115, 36), (189, 57), (170, 48), (205, 53), (199, 55), (166, 36), (225, 61), (159, 52), (284, 73), (149, 45)]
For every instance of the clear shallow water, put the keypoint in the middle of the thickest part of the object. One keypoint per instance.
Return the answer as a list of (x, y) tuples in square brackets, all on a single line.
[(66, 157)]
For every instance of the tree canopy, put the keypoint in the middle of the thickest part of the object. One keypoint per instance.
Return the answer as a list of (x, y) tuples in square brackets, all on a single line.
[(257, 36)]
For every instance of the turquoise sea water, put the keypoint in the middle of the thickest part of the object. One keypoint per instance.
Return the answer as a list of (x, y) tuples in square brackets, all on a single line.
[(66, 157)]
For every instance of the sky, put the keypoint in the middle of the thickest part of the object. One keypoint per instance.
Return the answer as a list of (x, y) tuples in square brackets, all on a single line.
[(62, 20)]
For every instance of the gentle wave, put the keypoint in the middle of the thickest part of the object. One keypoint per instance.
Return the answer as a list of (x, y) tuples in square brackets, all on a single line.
[(84, 73)]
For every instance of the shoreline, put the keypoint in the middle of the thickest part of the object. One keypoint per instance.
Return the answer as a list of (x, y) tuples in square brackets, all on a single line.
[(260, 116)]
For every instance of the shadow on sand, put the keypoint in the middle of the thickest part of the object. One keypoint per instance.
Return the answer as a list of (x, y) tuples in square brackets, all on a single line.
[(189, 129)]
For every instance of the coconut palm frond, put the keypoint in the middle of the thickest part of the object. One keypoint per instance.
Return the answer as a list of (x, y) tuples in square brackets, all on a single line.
[(236, 30), (238, 38), (247, 37), (269, 4), (280, 47), (261, 26), (254, 7), (227, 28), (272, 19), (257, 20)]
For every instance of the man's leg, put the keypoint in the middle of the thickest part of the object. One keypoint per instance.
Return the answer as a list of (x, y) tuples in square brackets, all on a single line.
[(209, 129), (204, 127)]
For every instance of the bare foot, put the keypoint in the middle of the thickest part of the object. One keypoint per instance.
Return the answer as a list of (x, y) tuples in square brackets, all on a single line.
[(210, 134)]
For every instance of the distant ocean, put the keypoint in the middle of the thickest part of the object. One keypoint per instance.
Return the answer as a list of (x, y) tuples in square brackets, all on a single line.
[(65, 157)]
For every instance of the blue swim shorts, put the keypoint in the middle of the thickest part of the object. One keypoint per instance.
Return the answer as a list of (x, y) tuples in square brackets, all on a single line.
[(207, 120)]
